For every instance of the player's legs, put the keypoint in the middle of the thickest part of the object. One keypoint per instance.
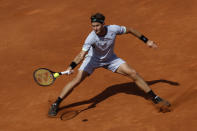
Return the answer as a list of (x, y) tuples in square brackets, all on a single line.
[(126, 70), (118, 65), (86, 69), (76, 81), (81, 75)]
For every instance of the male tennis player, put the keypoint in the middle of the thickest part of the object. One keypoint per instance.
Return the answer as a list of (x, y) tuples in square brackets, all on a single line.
[(98, 51)]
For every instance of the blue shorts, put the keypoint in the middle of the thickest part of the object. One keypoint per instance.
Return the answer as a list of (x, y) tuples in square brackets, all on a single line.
[(90, 64)]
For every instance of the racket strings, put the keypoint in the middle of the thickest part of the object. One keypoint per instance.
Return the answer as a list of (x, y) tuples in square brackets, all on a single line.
[(43, 77)]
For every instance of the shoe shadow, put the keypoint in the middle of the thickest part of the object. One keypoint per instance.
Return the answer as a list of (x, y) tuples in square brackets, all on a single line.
[(127, 88)]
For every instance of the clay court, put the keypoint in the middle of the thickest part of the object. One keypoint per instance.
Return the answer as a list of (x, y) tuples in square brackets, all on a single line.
[(48, 33)]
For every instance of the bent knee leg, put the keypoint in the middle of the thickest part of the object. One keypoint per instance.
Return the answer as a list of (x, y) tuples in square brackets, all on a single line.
[(126, 70), (132, 74)]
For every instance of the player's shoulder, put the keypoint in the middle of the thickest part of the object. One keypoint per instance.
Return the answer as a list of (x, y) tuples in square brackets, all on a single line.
[(91, 36), (113, 27)]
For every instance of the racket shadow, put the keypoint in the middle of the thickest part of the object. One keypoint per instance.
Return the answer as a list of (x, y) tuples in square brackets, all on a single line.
[(127, 88)]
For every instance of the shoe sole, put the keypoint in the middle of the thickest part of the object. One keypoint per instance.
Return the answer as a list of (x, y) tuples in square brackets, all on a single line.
[(52, 116)]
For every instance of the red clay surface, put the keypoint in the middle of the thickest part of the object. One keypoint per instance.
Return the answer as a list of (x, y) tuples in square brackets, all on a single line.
[(50, 33)]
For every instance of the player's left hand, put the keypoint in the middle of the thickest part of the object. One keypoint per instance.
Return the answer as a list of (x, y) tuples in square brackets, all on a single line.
[(151, 44)]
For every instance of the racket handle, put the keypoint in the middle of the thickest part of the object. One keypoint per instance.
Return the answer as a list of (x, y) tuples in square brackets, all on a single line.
[(68, 72)]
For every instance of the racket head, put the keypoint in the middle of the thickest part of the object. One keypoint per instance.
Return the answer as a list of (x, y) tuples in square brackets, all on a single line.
[(44, 77)]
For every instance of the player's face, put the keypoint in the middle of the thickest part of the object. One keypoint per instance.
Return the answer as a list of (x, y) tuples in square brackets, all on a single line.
[(97, 27)]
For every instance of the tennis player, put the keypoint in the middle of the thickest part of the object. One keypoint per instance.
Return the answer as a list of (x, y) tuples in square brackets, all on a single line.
[(98, 51)]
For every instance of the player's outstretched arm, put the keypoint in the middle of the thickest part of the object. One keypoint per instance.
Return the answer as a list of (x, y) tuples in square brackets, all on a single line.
[(76, 61), (137, 34), (80, 56)]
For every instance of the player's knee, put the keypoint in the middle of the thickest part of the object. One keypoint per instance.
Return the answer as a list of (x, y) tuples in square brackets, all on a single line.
[(132, 74)]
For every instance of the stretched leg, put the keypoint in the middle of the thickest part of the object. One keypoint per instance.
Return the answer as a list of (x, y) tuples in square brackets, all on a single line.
[(71, 85), (66, 91), (126, 70)]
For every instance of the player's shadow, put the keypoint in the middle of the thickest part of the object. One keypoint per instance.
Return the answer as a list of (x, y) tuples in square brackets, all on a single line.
[(127, 88)]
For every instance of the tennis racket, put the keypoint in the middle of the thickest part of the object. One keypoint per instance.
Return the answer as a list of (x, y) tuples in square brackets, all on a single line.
[(46, 77)]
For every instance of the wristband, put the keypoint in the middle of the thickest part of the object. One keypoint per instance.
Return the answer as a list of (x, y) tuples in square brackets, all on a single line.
[(143, 38), (73, 65)]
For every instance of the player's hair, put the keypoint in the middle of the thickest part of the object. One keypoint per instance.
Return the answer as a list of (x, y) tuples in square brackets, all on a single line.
[(97, 17)]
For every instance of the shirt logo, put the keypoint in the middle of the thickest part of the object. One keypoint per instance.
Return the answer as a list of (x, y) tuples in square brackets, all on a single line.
[(103, 45)]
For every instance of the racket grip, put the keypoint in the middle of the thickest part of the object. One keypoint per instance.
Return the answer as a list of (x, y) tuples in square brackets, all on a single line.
[(68, 72)]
